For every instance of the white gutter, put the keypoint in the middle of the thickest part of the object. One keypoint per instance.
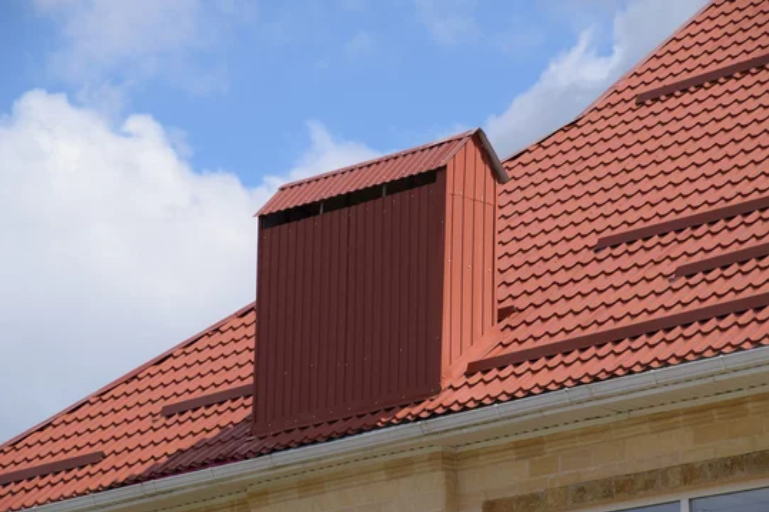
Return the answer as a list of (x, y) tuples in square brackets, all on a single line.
[(718, 375)]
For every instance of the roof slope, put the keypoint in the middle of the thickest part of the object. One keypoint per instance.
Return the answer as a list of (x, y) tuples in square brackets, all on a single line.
[(619, 167)]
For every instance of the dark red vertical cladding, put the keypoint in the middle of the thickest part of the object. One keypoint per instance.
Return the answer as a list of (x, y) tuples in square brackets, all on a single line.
[(366, 302), (346, 302)]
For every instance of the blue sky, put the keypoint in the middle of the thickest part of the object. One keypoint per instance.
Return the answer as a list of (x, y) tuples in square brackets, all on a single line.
[(138, 137), (387, 74)]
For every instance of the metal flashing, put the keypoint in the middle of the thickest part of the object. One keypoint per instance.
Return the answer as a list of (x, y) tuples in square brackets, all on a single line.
[(723, 260), (629, 331), (51, 467), (689, 221), (206, 400), (701, 79)]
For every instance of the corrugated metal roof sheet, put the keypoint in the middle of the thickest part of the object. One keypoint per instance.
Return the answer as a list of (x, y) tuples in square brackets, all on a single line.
[(621, 166), (367, 174)]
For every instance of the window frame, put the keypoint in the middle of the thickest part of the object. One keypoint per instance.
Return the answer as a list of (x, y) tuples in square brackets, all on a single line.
[(683, 498)]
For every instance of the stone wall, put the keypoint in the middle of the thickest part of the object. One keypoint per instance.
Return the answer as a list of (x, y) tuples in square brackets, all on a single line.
[(645, 456)]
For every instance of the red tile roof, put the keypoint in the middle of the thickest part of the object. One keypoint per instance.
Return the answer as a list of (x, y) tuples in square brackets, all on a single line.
[(621, 166)]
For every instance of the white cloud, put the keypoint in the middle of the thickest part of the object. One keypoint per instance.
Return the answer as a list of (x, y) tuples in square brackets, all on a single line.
[(575, 78), (110, 45), (114, 247), (362, 42), (448, 21), (327, 153)]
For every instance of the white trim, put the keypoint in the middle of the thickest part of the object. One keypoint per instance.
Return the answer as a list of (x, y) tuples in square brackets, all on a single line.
[(616, 398)]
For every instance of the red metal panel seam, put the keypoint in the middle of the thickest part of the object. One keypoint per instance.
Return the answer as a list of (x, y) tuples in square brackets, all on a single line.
[(289, 284), (308, 317), (259, 286), (485, 238), (392, 330), (456, 256), (302, 357), (281, 321), (420, 276), (374, 274), (341, 330), (411, 343), (446, 186), (385, 373), (395, 370), (318, 299), (494, 194), (323, 358), (354, 333), (263, 308), (364, 306), (368, 314), (378, 236), (291, 287), (298, 344), (419, 314), (269, 345), (438, 271), (288, 337), (403, 302), (348, 258), (399, 292), (468, 253), (332, 298), (336, 369), (423, 317), (349, 290), (268, 361), (478, 246), (490, 247)]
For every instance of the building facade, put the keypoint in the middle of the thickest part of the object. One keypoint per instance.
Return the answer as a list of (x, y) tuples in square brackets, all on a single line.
[(582, 326)]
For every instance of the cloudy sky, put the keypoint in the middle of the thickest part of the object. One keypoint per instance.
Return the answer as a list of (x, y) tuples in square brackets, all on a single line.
[(138, 137)]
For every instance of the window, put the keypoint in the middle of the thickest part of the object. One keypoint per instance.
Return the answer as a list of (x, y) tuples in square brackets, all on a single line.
[(738, 498), (746, 501), (665, 507)]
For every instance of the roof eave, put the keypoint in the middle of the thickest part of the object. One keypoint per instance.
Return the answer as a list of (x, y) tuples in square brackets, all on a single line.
[(675, 387)]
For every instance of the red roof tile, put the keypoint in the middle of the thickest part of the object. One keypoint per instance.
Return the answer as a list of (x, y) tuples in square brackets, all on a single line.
[(621, 166)]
